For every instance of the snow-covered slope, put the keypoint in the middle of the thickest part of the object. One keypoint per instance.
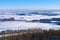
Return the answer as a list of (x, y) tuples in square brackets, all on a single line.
[(26, 25), (27, 17), (14, 25)]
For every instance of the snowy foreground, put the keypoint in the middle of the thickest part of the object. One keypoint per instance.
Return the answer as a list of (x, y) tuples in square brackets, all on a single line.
[(14, 25)]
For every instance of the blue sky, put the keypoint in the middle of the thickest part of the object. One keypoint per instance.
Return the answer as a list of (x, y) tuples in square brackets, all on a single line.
[(29, 4)]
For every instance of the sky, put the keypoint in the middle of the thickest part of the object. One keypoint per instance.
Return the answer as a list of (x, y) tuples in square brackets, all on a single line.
[(29, 4)]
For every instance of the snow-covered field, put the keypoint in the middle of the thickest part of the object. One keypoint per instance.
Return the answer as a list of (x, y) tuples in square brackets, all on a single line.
[(14, 25), (27, 17)]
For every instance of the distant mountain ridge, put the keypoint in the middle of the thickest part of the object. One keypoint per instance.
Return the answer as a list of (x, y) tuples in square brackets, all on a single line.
[(28, 12)]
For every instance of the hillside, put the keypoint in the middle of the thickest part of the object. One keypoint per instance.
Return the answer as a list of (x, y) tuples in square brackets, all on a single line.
[(36, 34)]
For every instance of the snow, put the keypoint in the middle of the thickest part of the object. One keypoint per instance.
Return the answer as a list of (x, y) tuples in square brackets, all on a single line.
[(27, 17), (14, 25), (24, 25)]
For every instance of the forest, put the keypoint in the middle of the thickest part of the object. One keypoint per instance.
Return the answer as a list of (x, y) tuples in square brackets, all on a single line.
[(36, 34)]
